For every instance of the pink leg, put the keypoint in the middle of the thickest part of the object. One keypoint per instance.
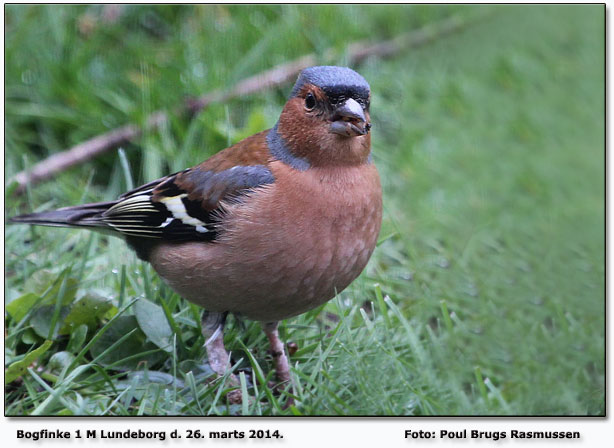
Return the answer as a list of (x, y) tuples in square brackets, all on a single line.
[(282, 367), (219, 359)]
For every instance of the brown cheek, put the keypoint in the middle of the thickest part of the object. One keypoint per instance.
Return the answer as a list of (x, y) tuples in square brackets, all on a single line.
[(302, 131)]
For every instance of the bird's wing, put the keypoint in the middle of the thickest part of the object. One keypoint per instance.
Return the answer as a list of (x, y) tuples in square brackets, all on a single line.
[(184, 206), (188, 205)]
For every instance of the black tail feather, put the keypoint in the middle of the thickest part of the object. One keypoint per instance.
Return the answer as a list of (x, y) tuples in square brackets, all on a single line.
[(87, 215)]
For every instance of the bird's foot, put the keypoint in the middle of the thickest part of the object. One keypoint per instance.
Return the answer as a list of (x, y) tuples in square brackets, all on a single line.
[(219, 358)]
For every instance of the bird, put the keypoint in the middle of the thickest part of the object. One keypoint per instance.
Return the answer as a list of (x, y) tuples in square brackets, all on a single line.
[(266, 229)]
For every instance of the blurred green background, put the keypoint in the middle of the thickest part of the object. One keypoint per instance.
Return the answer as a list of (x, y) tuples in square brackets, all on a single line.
[(490, 143)]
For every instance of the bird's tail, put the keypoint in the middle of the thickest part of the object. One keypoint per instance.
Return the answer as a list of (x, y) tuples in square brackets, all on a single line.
[(87, 215)]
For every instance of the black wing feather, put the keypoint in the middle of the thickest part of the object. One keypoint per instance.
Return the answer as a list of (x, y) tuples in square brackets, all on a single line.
[(185, 206)]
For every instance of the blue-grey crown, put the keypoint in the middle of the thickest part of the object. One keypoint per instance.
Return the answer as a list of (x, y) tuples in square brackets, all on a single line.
[(333, 80)]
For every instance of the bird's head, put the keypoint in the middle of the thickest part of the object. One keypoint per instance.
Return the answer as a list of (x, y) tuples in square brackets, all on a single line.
[(326, 119)]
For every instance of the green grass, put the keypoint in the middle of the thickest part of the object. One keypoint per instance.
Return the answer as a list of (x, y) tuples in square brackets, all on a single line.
[(485, 295)]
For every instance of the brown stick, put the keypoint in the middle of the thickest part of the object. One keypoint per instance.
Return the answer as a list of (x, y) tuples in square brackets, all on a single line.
[(281, 74), (84, 151)]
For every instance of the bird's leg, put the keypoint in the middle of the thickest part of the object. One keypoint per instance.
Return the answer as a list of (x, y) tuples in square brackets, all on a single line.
[(213, 331), (219, 359), (282, 367)]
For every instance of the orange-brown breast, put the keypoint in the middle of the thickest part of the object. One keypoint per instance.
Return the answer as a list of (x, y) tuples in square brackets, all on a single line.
[(287, 249)]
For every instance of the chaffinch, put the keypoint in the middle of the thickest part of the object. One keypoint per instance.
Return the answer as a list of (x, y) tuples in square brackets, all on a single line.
[(268, 228)]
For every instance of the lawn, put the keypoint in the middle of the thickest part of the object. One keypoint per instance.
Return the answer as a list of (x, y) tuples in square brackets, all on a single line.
[(486, 293)]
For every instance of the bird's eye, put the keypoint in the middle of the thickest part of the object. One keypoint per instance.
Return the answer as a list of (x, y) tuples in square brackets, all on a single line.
[(310, 101)]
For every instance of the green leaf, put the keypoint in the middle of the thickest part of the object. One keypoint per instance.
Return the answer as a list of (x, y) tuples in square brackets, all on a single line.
[(45, 281), (19, 307), (77, 338), (59, 361), (10, 294), (29, 337), (132, 347), (88, 310), (152, 320), (18, 368), (41, 320), (40, 281)]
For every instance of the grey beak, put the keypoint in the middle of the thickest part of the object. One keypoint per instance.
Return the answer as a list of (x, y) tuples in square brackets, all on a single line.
[(349, 120), (350, 109)]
